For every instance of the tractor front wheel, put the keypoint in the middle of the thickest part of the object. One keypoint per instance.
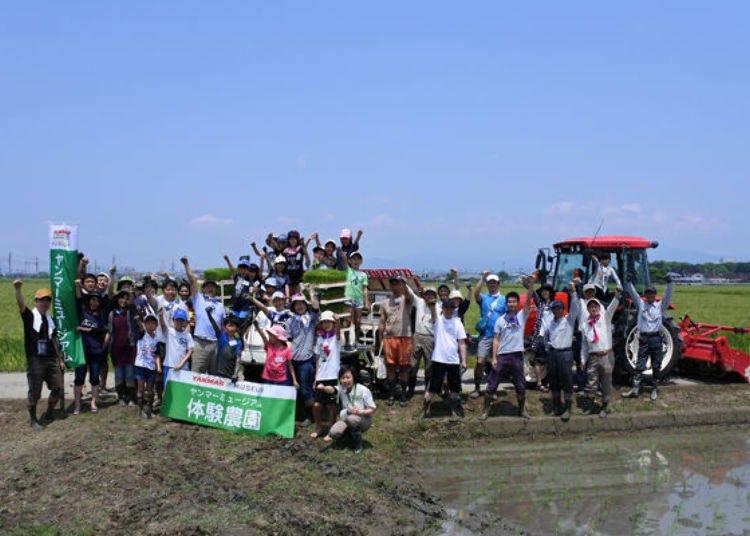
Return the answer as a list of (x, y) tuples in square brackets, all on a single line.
[(671, 349)]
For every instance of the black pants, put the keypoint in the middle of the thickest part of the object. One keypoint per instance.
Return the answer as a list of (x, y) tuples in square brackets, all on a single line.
[(650, 345), (560, 371)]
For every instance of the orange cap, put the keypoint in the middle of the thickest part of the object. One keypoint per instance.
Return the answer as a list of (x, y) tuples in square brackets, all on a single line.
[(43, 293)]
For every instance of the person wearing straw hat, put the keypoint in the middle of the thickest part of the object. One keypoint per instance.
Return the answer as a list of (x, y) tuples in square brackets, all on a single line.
[(44, 363), (300, 329)]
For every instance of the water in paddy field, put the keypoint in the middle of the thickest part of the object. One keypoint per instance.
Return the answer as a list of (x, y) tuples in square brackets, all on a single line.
[(689, 482)]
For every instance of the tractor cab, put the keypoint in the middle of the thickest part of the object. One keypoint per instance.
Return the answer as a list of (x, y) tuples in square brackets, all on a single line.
[(578, 257)]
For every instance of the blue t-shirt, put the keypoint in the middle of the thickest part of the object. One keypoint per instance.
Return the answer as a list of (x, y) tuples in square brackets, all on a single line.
[(497, 311)]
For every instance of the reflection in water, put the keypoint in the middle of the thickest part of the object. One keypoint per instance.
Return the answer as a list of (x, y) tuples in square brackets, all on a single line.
[(693, 481)]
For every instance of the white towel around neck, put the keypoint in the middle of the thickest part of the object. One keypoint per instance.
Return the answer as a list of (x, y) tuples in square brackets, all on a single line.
[(38, 322)]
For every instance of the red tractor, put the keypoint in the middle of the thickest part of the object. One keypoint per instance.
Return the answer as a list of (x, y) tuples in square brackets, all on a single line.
[(573, 258)]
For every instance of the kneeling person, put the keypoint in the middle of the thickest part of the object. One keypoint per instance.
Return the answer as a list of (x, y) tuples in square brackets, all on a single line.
[(357, 408), (448, 356)]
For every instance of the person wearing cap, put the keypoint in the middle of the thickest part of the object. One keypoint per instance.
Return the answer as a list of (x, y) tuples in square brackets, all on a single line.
[(507, 351), (491, 307), (204, 353), (542, 299), (395, 332), (580, 352), (597, 333), (328, 362), (147, 364), (448, 356), (247, 281), (95, 338), (300, 330), (44, 362), (423, 340), (228, 347), (179, 342), (649, 325), (123, 337), (356, 292), (462, 304), (277, 313), (278, 369), (347, 247), (295, 254), (283, 282), (556, 335)]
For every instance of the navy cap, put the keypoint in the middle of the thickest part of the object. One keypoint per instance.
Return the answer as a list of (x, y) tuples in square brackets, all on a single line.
[(557, 304), (650, 290), (448, 304)]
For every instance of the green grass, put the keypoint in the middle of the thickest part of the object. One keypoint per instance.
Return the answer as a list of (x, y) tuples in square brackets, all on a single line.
[(12, 355), (715, 304)]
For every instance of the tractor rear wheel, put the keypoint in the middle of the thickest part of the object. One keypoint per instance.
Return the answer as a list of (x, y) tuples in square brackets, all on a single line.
[(671, 349)]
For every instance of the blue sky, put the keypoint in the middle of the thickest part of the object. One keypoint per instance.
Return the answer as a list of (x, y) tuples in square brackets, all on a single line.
[(464, 135)]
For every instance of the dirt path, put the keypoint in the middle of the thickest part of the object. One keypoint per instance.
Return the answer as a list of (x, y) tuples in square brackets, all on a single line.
[(117, 473)]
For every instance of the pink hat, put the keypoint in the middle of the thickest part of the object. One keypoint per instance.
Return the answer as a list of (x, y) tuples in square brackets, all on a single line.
[(345, 233), (277, 331)]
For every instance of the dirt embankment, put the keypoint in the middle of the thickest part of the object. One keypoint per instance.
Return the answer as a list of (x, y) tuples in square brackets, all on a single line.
[(113, 472)]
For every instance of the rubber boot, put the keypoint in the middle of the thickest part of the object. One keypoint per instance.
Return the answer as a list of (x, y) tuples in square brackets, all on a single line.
[(635, 390), (412, 386), (33, 421), (587, 405), (605, 409), (487, 406), (120, 388), (401, 393), (142, 412), (49, 415), (62, 414), (356, 434), (149, 403), (522, 408), (455, 404), (131, 395), (426, 410), (390, 387), (655, 389), (565, 415), (556, 404)]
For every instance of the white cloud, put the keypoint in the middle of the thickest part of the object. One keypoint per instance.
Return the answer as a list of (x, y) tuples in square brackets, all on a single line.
[(382, 220), (208, 220), (561, 207), (631, 207)]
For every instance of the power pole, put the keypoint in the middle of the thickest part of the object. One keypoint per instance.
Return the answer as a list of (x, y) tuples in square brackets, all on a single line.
[(36, 261), (10, 269)]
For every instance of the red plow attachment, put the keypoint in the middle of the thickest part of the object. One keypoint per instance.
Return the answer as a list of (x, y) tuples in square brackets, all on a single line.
[(701, 342)]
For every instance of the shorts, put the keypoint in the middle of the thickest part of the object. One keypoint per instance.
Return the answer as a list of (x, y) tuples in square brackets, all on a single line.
[(484, 347), (124, 373), (540, 356), (397, 351), (145, 374), (355, 304), (324, 398), (442, 370), (41, 370), (92, 366)]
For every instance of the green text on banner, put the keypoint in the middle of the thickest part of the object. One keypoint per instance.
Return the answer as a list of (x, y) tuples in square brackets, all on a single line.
[(254, 408), (63, 257)]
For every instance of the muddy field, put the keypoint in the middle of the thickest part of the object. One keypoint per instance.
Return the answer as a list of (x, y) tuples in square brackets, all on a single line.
[(117, 473)]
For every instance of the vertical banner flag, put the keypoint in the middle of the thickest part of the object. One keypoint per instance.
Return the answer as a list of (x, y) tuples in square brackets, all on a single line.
[(63, 257), (253, 408)]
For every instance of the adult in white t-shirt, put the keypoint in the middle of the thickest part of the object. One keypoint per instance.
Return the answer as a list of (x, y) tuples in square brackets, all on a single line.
[(448, 356)]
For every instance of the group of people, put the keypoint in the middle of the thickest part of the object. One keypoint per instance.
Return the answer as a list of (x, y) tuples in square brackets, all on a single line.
[(145, 334)]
